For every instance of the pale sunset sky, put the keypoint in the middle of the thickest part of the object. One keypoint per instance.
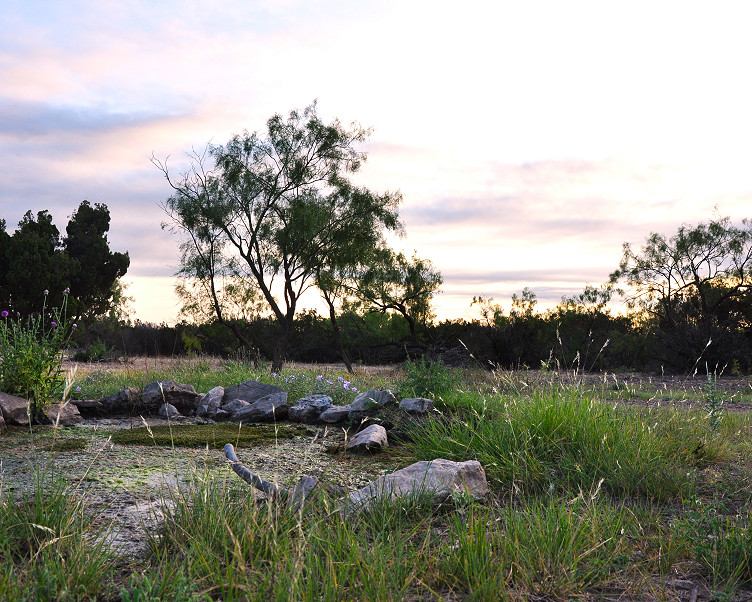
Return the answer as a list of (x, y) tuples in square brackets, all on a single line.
[(529, 139)]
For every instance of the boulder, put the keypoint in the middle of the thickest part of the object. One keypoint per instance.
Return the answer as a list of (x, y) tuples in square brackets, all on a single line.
[(235, 405), (183, 397), (14, 409), (222, 415), (69, 414), (416, 406), (335, 414), (3, 428), (267, 409), (369, 402), (440, 478), (250, 391), (210, 403), (372, 438), (167, 410), (309, 409), (126, 401)]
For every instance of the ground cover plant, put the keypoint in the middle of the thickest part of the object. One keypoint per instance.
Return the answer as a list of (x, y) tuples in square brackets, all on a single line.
[(595, 494)]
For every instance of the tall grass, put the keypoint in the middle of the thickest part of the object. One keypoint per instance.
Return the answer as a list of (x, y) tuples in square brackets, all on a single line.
[(50, 548), (562, 439)]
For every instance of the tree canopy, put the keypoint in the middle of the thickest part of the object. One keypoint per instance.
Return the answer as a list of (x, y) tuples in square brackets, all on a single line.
[(278, 206), (35, 258)]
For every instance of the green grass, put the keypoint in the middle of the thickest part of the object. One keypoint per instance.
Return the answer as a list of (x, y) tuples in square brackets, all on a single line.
[(590, 498)]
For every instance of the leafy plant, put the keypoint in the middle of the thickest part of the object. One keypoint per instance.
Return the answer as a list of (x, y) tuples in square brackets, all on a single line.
[(427, 378), (31, 353)]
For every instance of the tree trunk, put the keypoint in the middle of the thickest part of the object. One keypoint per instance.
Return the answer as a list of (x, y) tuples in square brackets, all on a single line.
[(280, 350), (338, 335)]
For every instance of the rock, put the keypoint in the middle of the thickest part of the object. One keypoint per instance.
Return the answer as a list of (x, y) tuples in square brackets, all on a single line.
[(309, 409), (267, 409), (335, 414), (416, 406), (210, 403), (14, 409), (167, 410), (250, 391), (69, 414), (235, 405), (126, 401), (3, 428), (370, 401), (372, 438), (222, 415), (441, 478), (183, 397)]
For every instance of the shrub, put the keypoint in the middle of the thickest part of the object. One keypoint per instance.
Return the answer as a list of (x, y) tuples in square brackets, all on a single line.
[(427, 378), (31, 354)]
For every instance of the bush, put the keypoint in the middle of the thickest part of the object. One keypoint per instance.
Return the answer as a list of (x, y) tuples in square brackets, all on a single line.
[(31, 354), (427, 378)]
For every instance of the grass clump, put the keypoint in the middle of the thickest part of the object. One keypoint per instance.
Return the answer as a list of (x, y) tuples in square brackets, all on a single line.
[(213, 436), (564, 440), (49, 549)]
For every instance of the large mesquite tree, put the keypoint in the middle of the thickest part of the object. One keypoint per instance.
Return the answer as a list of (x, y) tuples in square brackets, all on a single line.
[(282, 204)]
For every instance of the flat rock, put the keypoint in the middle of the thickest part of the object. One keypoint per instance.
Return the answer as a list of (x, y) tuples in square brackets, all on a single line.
[(335, 414), (309, 409), (369, 402), (250, 390), (183, 397), (14, 409), (416, 406), (440, 478), (271, 408), (372, 438)]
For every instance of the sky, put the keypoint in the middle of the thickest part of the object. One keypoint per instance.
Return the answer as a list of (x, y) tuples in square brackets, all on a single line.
[(529, 140)]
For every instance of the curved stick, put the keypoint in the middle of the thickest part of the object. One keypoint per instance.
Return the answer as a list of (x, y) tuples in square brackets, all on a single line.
[(271, 489)]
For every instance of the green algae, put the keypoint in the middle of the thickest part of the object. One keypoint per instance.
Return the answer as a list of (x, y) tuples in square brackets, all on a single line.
[(212, 435)]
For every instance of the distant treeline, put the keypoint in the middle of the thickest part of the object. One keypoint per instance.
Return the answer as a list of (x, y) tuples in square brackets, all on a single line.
[(571, 336)]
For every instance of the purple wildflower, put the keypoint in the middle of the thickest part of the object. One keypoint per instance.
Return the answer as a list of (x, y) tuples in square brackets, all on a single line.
[(354, 390), (346, 384), (4, 313), (53, 323), (46, 292), (319, 377), (78, 389), (340, 379), (75, 326), (328, 382)]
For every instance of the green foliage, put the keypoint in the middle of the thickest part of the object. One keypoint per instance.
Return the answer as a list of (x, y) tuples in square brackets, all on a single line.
[(282, 203), (561, 439), (31, 354), (427, 378)]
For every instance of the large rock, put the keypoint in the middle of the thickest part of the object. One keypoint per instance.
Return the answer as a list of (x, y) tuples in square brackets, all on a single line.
[(68, 414), (167, 410), (183, 397), (250, 390), (440, 478), (309, 409), (416, 406), (369, 402), (335, 414), (271, 408), (126, 401), (235, 405), (210, 403), (372, 438), (14, 409)]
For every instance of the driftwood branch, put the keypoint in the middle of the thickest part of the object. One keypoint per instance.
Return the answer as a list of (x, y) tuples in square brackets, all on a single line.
[(294, 499)]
